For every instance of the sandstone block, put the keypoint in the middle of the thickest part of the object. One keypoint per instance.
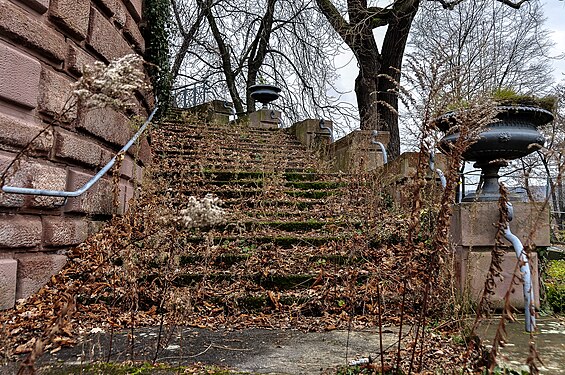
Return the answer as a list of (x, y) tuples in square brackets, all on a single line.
[(141, 151), (105, 39), (71, 15), (18, 133), (116, 9), (106, 156), (95, 226), (8, 274), (120, 14), (133, 34), (130, 170), (111, 126), (135, 8), (20, 27), (72, 147), (97, 200), (34, 271), (19, 231), (308, 132), (122, 198), (473, 223), (13, 179), (475, 271), (55, 96), (32, 174), (77, 59), (127, 168), (37, 5), (59, 231), (19, 74), (48, 177)]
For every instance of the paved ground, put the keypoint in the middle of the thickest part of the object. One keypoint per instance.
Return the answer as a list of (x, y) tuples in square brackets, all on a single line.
[(288, 352), (550, 341), (254, 350)]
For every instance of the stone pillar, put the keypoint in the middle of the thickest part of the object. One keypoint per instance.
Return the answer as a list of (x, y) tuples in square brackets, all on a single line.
[(400, 172), (473, 231), (265, 118), (309, 133), (355, 151), (215, 111)]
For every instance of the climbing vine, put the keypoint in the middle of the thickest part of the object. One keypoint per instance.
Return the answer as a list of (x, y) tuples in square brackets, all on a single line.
[(156, 33)]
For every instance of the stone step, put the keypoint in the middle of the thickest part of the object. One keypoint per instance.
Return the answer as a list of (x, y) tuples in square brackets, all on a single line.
[(278, 282), (252, 136), (235, 175), (253, 152), (234, 146), (176, 180), (284, 242), (290, 225), (218, 129), (229, 259), (224, 193), (187, 162)]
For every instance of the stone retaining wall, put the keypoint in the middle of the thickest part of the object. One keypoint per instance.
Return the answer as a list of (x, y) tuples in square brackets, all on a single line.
[(43, 47)]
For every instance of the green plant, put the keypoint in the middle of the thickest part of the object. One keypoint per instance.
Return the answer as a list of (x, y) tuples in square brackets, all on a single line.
[(555, 285), (156, 35), (506, 96)]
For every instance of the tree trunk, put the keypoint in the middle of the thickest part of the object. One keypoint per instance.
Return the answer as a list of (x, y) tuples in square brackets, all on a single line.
[(366, 93), (392, 52)]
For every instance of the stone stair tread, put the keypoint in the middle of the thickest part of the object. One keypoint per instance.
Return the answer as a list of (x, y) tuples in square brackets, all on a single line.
[(299, 185), (284, 230), (282, 241), (224, 192)]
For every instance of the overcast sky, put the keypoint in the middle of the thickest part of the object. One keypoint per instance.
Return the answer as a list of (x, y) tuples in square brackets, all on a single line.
[(555, 13)]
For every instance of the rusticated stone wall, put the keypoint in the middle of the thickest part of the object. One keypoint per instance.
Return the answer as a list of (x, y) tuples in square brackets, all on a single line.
[(43, 47)]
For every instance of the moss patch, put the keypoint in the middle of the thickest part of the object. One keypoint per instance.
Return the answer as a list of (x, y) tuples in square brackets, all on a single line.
[(138, 369)]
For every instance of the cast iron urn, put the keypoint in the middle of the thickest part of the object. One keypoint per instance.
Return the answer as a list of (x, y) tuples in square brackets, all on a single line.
[(513, 135), (264, 93)]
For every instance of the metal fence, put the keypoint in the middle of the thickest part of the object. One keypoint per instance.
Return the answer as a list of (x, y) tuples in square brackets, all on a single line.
[(191, 95)]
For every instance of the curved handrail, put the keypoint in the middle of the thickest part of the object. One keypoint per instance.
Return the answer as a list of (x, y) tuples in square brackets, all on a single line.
[(439, 172), (231, 107), (524, 269), (324, 127), (92, 181), (374, 134)]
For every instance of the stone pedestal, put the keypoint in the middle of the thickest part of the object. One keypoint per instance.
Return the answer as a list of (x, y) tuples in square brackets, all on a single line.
[(355, 151), (473, 231), (400, 172), (217, 111), (265, 118), (309, 133)]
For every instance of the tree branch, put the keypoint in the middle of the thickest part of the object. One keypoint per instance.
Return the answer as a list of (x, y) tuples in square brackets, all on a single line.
[(511, 4), (335, 19)]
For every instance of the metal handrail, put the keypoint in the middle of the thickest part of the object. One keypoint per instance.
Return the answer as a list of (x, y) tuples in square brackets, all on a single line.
[(92, 181), (324, 127), (527, 288), (374, 135), (438, 171)]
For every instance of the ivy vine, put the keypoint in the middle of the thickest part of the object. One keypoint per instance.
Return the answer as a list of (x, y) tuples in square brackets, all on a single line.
[(156, 14)]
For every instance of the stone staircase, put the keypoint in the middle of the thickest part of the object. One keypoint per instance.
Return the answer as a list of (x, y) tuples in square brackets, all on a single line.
[(294, 242)]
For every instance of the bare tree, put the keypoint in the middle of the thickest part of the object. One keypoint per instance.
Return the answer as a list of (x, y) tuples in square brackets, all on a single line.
[(236, 44), (488, 46), (379, 70)]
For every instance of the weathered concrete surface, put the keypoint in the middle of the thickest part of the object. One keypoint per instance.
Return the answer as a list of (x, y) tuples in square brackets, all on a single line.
[(550, 343), (253, 350)]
